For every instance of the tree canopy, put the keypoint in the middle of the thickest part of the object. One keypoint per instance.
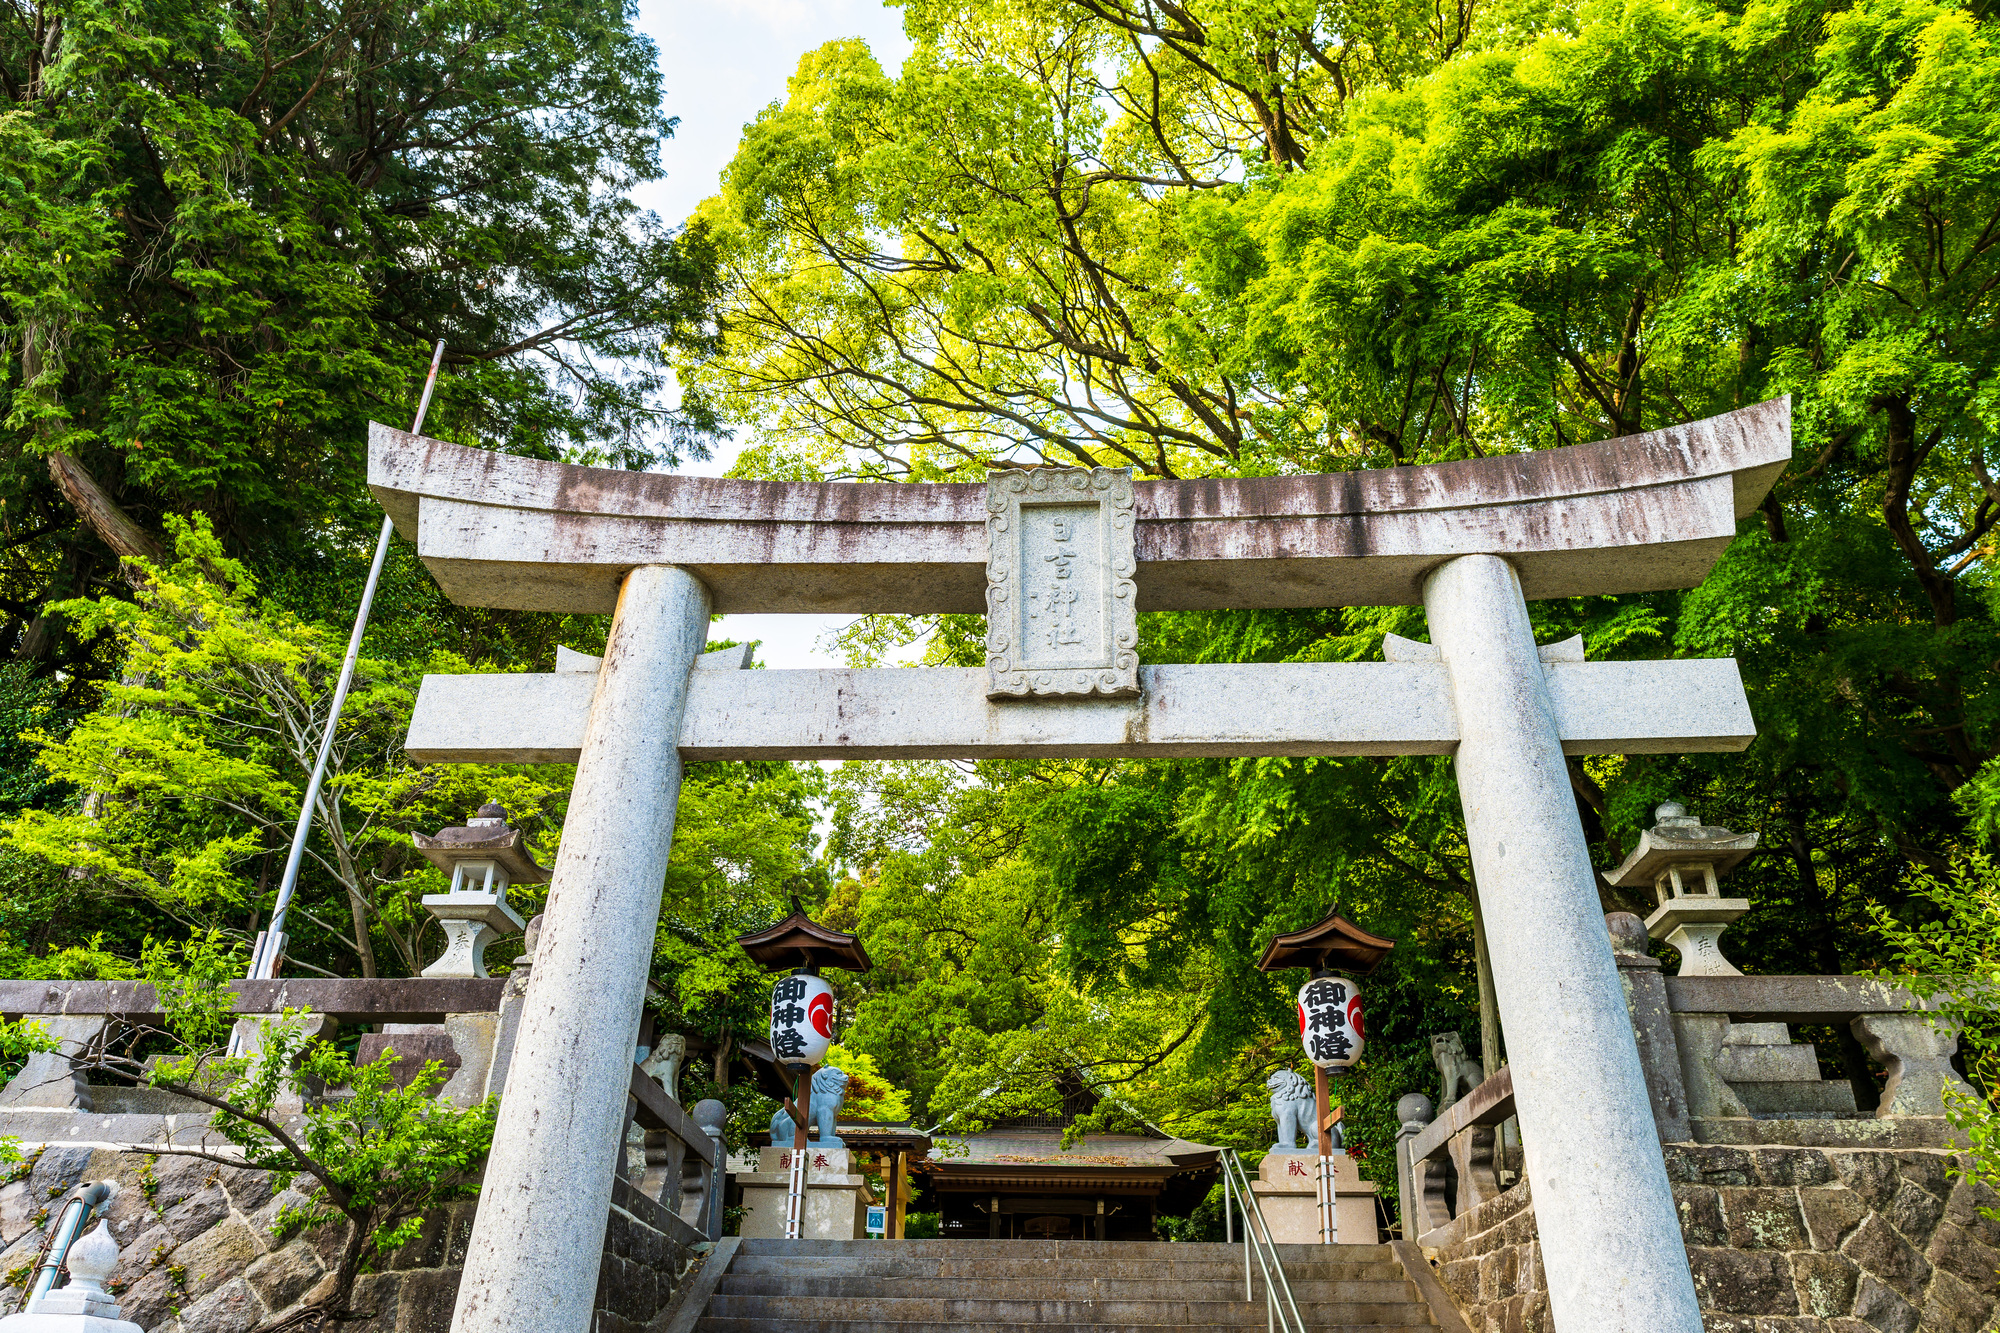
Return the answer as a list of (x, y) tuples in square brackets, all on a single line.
[(1193, 239)]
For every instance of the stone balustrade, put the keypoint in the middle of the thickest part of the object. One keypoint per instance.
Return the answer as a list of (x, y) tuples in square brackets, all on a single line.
[(465, 1024)]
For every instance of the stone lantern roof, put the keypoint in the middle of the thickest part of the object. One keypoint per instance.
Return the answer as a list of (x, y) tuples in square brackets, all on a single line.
[(484, 837), (1334, 944), (1678, 838)]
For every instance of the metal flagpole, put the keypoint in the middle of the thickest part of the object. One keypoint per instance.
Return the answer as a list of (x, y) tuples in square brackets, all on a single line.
[(271, 942)]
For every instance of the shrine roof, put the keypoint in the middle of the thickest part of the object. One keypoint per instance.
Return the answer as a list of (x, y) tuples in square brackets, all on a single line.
[(799, 940), (1334, 943), (1640, 513), (1029, 1158)]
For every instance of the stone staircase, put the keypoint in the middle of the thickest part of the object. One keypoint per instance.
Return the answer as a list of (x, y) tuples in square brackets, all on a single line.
[(982, 1286)]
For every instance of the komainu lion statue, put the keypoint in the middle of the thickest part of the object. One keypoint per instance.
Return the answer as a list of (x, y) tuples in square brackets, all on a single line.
[(1457, 1074), (829, 1090), (1292, 1106)]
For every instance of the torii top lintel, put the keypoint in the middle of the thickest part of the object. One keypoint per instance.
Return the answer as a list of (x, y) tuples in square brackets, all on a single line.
[(1636, 514)]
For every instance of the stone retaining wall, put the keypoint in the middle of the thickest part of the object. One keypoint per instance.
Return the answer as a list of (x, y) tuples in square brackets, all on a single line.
[(1780, 1240), (196, 1252)]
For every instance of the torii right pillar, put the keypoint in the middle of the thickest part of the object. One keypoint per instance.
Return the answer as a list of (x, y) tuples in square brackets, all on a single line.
[(1611, 1242)]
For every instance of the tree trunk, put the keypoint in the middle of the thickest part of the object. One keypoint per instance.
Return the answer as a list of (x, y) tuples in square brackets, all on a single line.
[(100, 513), (112, 525), (1904, 457), (1489, 1005)]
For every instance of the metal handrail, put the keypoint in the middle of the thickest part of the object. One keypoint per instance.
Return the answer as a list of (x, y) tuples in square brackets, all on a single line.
[(1257, 1240)]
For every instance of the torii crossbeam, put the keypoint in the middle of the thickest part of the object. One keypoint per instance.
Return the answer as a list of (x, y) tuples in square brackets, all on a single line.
[(1060, 560)]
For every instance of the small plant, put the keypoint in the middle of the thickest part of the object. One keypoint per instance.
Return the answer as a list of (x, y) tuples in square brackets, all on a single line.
[(1952, 960), (378, 1159), (159, 1255), (149, 1182), (18, 1277)]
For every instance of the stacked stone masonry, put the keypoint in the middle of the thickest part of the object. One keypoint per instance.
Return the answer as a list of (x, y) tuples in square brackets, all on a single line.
[(1780, 1240), (196, 1253)]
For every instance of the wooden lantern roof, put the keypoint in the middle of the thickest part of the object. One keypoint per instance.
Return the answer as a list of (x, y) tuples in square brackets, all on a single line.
[(1335, 944), (799, 941)]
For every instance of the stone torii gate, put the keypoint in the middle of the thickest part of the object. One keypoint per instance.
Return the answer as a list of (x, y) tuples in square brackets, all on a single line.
[(1061, 559)]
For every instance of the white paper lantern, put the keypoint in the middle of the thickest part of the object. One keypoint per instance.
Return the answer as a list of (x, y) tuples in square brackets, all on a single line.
[(1330, 1022), (801, 1020)]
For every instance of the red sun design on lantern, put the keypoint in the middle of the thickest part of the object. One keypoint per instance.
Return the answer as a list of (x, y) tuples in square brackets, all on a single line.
[(819, 1012), (1302, 1020), (1354, 1016)]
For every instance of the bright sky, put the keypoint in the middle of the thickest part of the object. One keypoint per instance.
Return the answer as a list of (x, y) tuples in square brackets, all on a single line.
[(723, 61)]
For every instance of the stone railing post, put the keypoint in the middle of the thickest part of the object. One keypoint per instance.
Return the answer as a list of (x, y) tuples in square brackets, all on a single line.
[(710, 1115), (1610, 1233), (1413, 1112), (1916, 1050), (1652, 1026), (533, 1261)]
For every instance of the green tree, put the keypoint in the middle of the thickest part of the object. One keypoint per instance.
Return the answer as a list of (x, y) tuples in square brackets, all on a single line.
[(194, 765), (230, 234)]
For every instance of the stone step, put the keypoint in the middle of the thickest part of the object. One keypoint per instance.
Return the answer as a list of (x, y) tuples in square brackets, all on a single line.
[(889, 1266), (956, 1311), (1066, 1249), (737, 1324), (988, 1287)]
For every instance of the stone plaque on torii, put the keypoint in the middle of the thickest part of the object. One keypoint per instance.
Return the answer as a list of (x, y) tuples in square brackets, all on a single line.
[(1469, 541)]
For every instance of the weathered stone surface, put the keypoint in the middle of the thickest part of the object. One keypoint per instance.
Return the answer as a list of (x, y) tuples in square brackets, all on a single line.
[(1763, 1218), (1293, 708), (1954, 1250), (1831, 1215), (1750, 1281), (1639, 513), (248, 1190), (230, 1308), (1952, 1305), (1882, 1309), (1791, 1166), (217, 1255), (196, 1213), (1496, 1274), (1715, 1322), (426, 1301), (1702, 1222), (1930, 1171), (17, 1212), (1872, 1175), (1966, 1209), (1825, 1283), (1916, 1049), (143, 1253), (56, 1172), (281, 1277), (1877, 1248), (1914, 1212), (178, 1178), (1060, 602), (377, 1296), (151, 1300), (1461, 1277)]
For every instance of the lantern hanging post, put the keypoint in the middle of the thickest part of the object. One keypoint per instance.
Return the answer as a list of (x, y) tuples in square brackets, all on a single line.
[(801, 1026), (1332, 1030)]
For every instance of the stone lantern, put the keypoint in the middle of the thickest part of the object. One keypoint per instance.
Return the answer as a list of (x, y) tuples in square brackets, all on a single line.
[(1683, 861), (484, 858)]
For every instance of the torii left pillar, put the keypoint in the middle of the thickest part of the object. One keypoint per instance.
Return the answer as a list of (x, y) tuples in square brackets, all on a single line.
[(538, 1240)]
